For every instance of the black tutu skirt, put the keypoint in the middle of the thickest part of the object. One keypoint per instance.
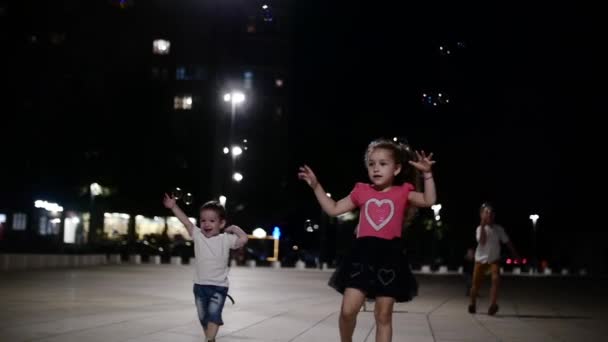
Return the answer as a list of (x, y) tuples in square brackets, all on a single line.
[(377, 267)]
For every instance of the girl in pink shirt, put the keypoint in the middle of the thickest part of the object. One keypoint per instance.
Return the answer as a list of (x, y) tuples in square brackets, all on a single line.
[(377, 268)]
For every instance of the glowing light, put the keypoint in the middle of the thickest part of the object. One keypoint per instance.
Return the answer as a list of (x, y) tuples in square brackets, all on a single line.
[(259, 233)]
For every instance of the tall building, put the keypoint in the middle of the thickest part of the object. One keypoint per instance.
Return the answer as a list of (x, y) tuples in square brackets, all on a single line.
[(130, 95)]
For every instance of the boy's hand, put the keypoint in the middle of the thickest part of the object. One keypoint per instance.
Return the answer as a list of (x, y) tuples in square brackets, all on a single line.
[(230, 229), (169, 202)]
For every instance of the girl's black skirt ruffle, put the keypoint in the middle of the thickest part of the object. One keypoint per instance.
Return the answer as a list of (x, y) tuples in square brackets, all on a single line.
[(377, 267)]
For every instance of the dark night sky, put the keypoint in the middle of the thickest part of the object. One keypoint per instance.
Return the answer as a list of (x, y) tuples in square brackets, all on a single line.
[(519, 126), (518, 129)]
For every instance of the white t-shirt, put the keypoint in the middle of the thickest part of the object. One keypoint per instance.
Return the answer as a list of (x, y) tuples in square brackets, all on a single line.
[(490, 251), (212, 257)]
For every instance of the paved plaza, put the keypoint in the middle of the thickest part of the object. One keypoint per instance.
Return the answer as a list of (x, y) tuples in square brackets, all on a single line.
[(150, 303)]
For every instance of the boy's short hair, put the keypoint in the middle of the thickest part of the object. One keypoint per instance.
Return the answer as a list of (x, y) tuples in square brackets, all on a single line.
[(487, 206), (215, 206)]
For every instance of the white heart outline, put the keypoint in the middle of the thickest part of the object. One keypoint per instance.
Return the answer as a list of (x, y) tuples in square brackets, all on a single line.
[(386, 271), (379, 204)]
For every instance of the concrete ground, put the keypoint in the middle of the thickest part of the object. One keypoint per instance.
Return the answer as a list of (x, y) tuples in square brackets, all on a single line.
[(139, 303)]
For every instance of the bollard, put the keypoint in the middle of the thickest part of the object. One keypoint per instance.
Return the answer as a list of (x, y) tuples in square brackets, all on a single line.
[(135, 259), (115, 259), (251, 263), (516, 270), (3, 262), (300, 265), (425, 269), (64, 261), (443, 269), (565, 272), (276, 264), (155, 259), (176, 260)]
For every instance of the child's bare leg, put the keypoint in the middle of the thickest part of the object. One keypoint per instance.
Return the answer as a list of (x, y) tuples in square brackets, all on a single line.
[(383, 312), (211, 331), (351, 304)]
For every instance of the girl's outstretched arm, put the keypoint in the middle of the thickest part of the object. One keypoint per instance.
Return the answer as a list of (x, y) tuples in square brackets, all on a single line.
[(429, 196), (331, 207)]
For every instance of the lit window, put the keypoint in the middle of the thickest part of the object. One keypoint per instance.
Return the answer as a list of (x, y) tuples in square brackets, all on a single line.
[(161, 47), (19, 221), (180, 73), (148, 226), (175, 228), (182, 102), (115, 225)]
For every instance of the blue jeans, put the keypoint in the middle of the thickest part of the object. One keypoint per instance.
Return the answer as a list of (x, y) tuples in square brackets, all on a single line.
[(209, 300)]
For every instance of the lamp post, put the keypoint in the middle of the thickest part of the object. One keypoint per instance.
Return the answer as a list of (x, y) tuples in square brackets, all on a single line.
[(534, 218)]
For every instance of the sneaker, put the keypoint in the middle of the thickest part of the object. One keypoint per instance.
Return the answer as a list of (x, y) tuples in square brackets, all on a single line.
[(493, 309), (472, 308)]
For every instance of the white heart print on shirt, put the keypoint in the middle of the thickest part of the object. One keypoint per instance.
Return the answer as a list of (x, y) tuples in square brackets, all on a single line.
[(379, 213)]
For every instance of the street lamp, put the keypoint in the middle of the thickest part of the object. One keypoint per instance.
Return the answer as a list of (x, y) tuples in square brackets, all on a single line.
[(259, 233), (235, 98), (534, 218), (96, 189), (236, 151), (436, 209), (223, 200), (237, 177)]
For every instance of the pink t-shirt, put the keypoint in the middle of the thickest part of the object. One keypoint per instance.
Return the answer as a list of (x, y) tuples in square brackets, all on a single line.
[(381, 212)]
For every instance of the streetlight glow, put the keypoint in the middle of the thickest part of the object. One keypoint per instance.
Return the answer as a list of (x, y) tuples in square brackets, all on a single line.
[(236, 151), (237, 176), (436, 208), (534, 218), (238, 97), (259, 233), (96, 189), (235, 97)]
